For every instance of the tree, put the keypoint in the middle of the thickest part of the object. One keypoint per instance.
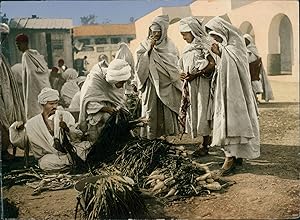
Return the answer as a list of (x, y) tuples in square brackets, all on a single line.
[(87, 20), (131, 19)]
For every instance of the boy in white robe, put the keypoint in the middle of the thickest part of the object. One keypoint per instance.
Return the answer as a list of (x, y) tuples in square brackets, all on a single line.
[(197, 66), (43, 131)]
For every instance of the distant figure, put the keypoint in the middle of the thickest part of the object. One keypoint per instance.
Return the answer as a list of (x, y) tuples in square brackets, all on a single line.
[(159, 81), (75, 103), (61, 66), (259, 79), (56, 79), (11, 105), (124, 53), (85, 64), (103, 60), (17, 71), (35, 75), (70, 87)]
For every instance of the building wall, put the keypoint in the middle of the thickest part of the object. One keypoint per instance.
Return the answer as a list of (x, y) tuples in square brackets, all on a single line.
[(109, 49), (37, 41), (265, 18)]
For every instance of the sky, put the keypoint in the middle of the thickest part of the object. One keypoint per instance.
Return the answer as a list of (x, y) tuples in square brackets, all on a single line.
[(114, 12)]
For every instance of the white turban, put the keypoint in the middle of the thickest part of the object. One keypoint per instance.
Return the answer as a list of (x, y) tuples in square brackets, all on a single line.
[(155, 27), (184, 27), (70, 74), (118, 70), (48, 95), (4, 28)]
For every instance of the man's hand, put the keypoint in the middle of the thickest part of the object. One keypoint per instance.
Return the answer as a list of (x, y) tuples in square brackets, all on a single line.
[(64, 126), (182, 76), (108, 110), (20, 126), (152, 42), (190, 77), (134, 88), (215, 49)]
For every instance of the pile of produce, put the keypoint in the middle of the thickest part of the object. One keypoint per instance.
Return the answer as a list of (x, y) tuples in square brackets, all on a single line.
[(111, 196), (177, 175), (181, 177)]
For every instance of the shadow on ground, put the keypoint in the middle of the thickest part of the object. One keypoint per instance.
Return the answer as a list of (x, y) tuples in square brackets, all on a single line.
[(276, 160)]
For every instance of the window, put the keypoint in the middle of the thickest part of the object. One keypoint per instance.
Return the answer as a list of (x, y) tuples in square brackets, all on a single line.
[(100, 49), (88, 48), (85, 41), (100, 41), (115, 40), (129, 39), (57, 44)]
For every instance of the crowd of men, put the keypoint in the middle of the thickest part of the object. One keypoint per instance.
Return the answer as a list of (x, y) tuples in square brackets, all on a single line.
[(209, 91)]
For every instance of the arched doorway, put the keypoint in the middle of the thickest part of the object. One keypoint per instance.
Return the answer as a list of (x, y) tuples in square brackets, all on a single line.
[(280, 46), (247, 28)]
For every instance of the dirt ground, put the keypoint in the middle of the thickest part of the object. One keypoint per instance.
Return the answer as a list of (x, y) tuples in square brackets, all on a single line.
[(266, 188)]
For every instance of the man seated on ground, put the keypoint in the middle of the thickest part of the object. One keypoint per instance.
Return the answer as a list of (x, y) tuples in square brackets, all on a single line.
[(44, 133), (101, 93)]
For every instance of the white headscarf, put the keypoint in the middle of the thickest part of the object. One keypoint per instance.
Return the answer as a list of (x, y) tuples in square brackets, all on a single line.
[(118, 70), (70, 74), (47, 95), (251, 46), (160, 23), (194, 25), (184, 27), (155, 27), (4, 28)]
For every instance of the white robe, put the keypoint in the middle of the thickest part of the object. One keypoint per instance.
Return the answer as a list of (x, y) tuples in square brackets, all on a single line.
[(158, 80), (235, 121), (256, 84), (75, 103), (97, 93), (11, 105), (68, 91), (35, 77), (263, 85), (42, 142), (197, 121)]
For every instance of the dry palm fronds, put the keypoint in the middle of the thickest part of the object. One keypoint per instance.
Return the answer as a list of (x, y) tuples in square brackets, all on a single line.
[(112, 196)]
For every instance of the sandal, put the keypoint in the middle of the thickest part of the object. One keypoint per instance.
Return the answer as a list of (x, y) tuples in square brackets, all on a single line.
[(201, 152), (225, 172)]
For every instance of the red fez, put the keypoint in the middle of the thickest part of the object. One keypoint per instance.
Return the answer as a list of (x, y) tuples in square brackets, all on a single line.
[(22, 38)]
